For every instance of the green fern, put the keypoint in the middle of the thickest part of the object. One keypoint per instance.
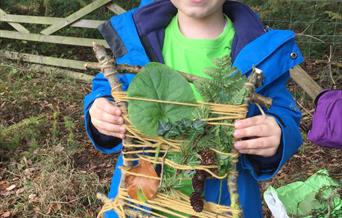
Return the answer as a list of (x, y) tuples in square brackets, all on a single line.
[(226, 85)]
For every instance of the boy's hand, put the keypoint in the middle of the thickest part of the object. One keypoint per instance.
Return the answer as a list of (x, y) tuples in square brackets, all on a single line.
[(107, 118), (259, 135)]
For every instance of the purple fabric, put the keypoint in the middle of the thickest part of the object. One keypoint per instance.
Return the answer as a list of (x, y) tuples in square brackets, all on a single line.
[(327, 120)]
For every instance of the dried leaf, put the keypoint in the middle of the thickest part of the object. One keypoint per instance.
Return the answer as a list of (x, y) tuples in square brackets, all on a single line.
[(142, 188), (19, 191), (53, 208), (6, 214), (32, 198), (4, 185), (59, 148), (11, 188)]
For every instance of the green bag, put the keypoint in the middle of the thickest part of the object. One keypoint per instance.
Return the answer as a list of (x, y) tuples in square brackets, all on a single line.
[(316, 197)]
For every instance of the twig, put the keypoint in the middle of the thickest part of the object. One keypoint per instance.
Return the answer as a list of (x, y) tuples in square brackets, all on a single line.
[(313, 37), (254, 81), (259, 99), (301, 106), (260, 109), (6, 65), (124, 68), (107, 65), (306, 29), (335, 64), (329, 68), (302, 34), (14, 174), (67, 202), (308, 113)]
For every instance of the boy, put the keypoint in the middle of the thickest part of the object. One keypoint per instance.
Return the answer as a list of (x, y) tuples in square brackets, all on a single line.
[(187, 35)]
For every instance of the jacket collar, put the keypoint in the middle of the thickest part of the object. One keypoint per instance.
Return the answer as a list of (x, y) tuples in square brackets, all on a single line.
[(151, 31)]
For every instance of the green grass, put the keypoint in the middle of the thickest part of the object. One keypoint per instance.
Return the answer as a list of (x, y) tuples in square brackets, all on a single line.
[(44, 150)]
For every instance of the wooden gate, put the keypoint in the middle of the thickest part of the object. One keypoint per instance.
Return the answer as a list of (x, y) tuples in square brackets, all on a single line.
[(47, 35), (75, 20)]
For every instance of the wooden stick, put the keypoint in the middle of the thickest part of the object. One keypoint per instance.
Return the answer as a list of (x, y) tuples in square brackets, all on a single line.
[(259, 99), (124, 68), (304, 80), (107, 63), (255, 81)]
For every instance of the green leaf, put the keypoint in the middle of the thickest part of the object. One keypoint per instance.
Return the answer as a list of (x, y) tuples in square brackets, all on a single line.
[(157, 81), (164, 128), (226, 85), (184, 125), (173, 133), (198, 126)]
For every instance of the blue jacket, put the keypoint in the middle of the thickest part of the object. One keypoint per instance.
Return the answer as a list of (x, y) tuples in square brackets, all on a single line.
[(136, 38)]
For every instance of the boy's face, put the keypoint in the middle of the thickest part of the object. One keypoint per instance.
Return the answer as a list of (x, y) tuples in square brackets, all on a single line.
[(198, 8)]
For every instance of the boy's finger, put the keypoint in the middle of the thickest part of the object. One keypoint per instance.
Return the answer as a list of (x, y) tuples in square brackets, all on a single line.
[(105, 105), (260, 152), (257, 143), (110, 118), (109, 127), (117, 135), (111, 108), (253, 131), (252, 121)]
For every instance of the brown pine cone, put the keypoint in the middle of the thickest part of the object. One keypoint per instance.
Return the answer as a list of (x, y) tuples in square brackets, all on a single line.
[(208, 157), (201, 175), (197, 185), (196, 202)]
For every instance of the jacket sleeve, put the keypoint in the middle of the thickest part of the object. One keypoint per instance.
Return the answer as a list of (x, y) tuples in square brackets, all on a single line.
[(287, 115), (103, 143)]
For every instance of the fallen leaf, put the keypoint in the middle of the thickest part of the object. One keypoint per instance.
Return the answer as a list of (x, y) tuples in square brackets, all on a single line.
[(29, 171), (36, 210), (59, 148), (32, 198), (139, 187), (19, 191), (11, 188), (6, 214), (54, 207), (4, 185)]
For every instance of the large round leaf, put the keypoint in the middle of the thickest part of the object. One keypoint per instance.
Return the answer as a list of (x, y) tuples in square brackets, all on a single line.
[(158, 81)]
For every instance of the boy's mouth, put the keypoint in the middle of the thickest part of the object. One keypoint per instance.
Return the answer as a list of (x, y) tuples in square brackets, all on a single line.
[(197, 2)]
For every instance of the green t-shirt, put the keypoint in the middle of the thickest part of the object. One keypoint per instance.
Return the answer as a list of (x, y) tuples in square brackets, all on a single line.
[(193, 56)]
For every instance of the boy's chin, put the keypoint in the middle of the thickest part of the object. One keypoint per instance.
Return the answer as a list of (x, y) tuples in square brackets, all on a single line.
[(197, 14), (198, 8)]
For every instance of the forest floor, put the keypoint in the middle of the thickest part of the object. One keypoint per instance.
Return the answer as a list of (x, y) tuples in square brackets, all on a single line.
[(48, 167)]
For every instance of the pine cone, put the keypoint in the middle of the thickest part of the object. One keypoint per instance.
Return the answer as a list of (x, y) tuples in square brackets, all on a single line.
[(208, 157), (196, 202), (201, 175), (197, 185)]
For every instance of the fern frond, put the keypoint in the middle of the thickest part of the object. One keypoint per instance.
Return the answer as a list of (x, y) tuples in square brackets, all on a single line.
[(226, 85)]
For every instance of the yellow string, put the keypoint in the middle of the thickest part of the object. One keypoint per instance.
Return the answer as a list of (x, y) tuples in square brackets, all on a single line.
[(165, 203)]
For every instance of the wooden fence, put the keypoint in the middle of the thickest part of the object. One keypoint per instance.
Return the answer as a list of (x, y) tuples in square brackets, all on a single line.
[(47, 35), (75, 20)]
